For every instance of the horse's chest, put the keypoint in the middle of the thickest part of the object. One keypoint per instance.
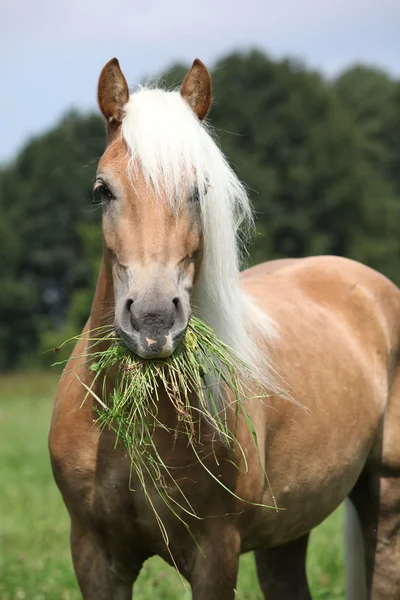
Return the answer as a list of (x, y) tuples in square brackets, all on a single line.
[(121, 511)]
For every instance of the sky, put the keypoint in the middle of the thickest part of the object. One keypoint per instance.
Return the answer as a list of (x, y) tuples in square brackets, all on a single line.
[(53, 50)]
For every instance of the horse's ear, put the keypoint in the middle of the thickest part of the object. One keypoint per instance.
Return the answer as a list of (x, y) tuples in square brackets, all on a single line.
[(112, 94), (196, 89)]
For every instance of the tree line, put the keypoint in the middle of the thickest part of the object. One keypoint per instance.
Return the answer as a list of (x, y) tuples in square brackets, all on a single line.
[(321, 159)]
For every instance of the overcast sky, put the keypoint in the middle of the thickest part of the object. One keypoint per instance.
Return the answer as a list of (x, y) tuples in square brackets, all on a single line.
[(53, 50)]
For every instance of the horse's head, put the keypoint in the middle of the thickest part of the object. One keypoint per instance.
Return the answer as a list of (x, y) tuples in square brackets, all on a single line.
[(172, 213), (150, 189)]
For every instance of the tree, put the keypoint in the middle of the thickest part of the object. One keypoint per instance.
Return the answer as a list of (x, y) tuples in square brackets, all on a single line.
[(47, 195)]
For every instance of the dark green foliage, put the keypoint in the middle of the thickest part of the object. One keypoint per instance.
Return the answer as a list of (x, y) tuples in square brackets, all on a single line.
[(304, 158), (321, 160), (45, 203), (368, 93), (54, 195)]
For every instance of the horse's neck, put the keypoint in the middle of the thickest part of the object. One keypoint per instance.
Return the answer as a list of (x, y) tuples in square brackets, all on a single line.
[(103, 301), (101, 314)]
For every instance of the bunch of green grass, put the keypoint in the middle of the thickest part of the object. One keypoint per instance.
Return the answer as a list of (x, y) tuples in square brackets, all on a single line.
[(206, 384)]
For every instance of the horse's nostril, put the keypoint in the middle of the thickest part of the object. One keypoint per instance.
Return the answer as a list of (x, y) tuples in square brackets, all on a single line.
[(175, 302), (129, 303)]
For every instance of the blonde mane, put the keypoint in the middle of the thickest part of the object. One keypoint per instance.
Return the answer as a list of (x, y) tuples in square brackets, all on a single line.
[(177, 152)]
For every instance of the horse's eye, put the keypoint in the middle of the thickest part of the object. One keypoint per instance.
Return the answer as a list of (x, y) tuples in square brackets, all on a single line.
[(102, 194)]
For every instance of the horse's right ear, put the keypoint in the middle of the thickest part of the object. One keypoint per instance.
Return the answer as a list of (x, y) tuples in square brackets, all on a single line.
[(112, 94)]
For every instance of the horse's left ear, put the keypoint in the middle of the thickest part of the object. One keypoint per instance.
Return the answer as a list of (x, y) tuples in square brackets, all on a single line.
[(112, 94), (196, 89)]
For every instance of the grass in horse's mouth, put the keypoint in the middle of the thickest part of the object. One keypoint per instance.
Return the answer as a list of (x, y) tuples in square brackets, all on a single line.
[(205, 382)]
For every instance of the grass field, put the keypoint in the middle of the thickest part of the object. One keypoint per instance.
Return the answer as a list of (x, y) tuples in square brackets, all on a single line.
[(35, 562)]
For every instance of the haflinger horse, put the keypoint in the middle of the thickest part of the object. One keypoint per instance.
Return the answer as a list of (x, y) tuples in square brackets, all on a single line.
[(322, 335)]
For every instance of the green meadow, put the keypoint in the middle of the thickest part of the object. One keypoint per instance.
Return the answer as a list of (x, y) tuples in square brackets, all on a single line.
[(35, 562)]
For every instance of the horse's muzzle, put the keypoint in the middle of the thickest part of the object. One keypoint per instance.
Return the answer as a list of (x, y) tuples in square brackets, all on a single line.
[(152, 329)]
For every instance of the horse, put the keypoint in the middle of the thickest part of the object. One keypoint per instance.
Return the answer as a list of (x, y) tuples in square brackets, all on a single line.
[(322, 335)]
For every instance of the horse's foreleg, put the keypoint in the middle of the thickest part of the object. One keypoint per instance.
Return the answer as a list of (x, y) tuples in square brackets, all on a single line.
[(96, 580), (282, 571), (215, 570)]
